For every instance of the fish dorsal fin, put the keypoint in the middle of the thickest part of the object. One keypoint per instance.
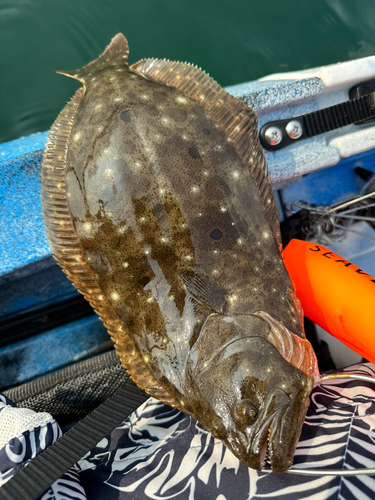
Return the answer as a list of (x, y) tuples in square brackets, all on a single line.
[(116, 54), (238, 120)]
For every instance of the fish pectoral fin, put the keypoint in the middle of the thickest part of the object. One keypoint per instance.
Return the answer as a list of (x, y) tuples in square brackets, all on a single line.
[(234, 116), (116, 54), (206, 293)]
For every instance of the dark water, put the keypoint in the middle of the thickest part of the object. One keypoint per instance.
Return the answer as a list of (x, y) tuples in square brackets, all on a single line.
[(234, 41)]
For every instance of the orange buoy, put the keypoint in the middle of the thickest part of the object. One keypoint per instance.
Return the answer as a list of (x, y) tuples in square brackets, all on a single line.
[(335, 294)]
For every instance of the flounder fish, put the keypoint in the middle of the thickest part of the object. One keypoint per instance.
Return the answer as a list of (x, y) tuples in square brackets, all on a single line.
[(159, 208)]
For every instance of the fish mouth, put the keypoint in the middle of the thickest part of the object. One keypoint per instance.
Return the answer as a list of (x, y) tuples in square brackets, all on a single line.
[(254, 448), (264, 444)]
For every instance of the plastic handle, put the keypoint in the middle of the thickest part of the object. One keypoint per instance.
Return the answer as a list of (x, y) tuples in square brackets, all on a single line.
[(335, 294)]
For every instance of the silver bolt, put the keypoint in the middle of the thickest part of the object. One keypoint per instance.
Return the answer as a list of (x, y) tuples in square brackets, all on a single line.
[(294, 129), (273, 136)]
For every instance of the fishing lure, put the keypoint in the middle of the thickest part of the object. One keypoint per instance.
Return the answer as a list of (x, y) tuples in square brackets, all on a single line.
[(159, 208)]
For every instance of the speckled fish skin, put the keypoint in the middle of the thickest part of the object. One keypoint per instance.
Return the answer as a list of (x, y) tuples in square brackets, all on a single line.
[(157, 219)]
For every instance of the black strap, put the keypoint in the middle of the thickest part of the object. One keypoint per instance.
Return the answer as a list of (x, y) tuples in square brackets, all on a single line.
[(34, 479), (337, 116)]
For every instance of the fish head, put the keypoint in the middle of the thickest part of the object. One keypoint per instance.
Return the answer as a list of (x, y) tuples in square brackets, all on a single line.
[(250, 396)]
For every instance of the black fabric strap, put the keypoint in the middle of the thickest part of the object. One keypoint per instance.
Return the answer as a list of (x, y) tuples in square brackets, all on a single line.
[(337, 116), (34, 479)]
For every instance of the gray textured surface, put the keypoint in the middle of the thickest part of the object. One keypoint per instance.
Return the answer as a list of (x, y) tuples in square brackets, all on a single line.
[(23, 239)]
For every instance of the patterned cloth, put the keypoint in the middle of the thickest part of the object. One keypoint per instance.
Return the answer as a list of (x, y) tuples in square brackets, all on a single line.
[(160, 453)]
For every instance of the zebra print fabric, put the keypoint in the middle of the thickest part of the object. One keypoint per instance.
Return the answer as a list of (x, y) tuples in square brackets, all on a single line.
[(160, 453)]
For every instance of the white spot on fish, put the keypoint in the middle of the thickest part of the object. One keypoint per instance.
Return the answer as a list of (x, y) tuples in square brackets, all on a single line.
[(150, 299), (108, 173), (146, 358), (117, 99), (126, 264), (205, 172), (144, 96), (195, 189), (184, 137), (240, 241), (228, 319), (215, 252), (87, 226), (215, 271), (223, 209), (165, 119), (147, 252), (236, 175), (189, 257), (181, 99), (265, 234), (98, 106), (255, 289), (77, 136), (137, 164), (115, 296), (233, 299), (161, 191)]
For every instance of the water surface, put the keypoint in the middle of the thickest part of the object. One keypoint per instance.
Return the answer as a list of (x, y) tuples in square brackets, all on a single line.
[(234, 41)]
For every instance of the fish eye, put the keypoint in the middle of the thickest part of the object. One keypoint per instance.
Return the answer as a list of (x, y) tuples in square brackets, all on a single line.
[(247, 412)]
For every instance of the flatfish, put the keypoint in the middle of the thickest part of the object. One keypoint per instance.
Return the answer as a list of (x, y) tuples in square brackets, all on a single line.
[(159, 208)]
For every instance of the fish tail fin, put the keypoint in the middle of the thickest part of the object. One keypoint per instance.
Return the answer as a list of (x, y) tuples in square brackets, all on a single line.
[(116, 54)]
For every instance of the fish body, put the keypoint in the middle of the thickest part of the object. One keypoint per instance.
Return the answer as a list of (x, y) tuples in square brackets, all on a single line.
[(159, 208)]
